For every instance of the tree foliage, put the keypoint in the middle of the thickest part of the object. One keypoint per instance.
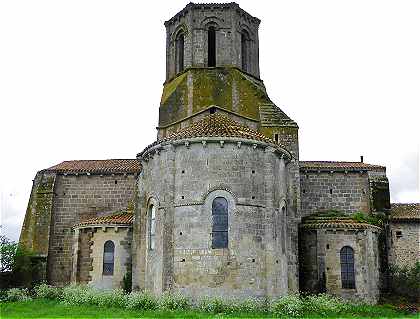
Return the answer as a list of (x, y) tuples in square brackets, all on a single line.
[(8, 251)]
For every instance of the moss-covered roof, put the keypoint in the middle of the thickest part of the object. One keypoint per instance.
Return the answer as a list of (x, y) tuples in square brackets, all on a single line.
[(198, 88), (97, 166), (334, 220), (405, 212), (215, 125), (117, 218), (271, 115)]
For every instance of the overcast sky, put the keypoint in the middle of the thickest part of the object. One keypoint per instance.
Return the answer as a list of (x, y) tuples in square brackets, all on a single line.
[(83, 80)]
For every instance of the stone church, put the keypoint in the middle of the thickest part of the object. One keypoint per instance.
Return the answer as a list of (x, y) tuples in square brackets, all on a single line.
[(219, 204)]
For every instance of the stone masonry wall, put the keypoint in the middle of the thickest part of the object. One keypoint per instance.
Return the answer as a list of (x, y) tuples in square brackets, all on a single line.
[(35, 233), (405, 243), (229, 22), (183, 181), (321, 268), (78, 198), (345, 192), (83, 258), (121, 236)]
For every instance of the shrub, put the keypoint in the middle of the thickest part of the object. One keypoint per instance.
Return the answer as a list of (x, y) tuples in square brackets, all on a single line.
[(127, 280), (323, 304), (251, 305), (288, 306), (405, 281), (7, 253), (47, 292), (172, 302), (3, 295), (16, 294), (142, 301), (216, 305), (108, 298), (77, 295)]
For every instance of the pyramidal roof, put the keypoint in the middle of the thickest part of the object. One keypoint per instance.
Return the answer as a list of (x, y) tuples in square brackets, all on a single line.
[(215, 125)]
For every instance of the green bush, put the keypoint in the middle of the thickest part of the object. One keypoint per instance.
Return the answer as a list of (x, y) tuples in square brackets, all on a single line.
[(16, 294), (127, 281), (324, 304), (3, 294), (47, 291), (108, 298), (142, 301), (252, 305), (288, 306), (77, 295), (405, 282), (172, 302), (216, 305)]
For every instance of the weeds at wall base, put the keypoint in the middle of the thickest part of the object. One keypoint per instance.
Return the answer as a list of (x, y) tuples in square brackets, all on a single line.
[(291, 306)]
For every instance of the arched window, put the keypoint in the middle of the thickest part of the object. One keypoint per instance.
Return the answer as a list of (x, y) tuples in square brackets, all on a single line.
[(152, 227), (211, 42), (245, 50), (108, 260), (179, 52), (347, 268), (220, 223)]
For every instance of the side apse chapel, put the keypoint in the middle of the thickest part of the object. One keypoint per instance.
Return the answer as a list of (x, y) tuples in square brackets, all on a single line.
[(219, 204)]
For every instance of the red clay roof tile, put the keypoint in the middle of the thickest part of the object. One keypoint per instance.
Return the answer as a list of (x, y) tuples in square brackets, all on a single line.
[(322, 165), (118, 218), (97, 166), (215, 125), (405, 211)]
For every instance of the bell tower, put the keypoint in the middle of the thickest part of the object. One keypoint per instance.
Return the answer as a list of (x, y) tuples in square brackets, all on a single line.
[(212, 65), (212, 35)]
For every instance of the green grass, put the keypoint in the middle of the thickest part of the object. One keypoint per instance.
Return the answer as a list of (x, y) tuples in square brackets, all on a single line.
[(41, 308)]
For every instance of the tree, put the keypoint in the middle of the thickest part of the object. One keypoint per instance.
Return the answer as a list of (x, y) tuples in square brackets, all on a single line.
[(8, 250)]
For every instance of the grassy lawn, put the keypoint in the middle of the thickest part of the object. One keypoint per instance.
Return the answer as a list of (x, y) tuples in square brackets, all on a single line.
[(40, 308)]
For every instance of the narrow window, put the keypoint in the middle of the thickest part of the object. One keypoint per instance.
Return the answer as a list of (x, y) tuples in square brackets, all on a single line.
[(152, 227), (276, 137), (245, 50), (347, 268), (179, 52), (108, 267), (220, 223), (211, 42), (398, 233)]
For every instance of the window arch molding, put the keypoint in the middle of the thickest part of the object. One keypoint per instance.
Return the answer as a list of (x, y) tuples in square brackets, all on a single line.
[(211, 21), (180, 29), (207, 210)]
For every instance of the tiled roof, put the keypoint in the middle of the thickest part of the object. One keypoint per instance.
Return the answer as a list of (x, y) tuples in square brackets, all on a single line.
[(215, 125), (117, 218), (405, 211), (322, 165), (324, 221), (97, 166)]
